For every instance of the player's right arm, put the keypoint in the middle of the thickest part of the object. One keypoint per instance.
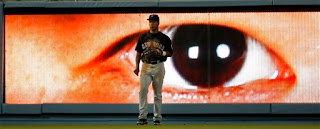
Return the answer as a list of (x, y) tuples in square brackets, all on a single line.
[(138, 58)]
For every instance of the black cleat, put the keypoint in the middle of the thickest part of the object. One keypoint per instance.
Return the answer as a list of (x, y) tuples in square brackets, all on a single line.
[(157, 122), (142, 122)]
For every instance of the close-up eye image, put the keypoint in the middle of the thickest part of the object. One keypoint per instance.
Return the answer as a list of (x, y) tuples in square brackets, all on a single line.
[(214, 57), (215, 61)]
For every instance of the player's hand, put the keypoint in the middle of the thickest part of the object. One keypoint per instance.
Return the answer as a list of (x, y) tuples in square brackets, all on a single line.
[(136, 71), (159, 52)]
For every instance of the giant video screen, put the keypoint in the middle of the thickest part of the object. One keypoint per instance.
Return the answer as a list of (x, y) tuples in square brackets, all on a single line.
[(218, 57)]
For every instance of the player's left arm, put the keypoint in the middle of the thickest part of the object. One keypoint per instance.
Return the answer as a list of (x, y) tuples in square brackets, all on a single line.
[(168, 51)]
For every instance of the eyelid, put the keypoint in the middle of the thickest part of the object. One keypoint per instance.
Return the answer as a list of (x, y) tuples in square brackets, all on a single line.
[(111, 50)]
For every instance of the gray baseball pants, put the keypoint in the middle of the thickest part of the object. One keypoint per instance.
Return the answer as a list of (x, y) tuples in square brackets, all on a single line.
[(151, 73)]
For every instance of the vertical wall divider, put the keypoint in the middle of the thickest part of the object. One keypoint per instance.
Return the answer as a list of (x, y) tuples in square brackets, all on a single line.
[(2, 56)]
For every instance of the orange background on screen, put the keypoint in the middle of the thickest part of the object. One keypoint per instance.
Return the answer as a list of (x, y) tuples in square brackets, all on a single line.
[(45, 55)]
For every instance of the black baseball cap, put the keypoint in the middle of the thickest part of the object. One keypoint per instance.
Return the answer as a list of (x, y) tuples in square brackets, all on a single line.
[(153, 17)]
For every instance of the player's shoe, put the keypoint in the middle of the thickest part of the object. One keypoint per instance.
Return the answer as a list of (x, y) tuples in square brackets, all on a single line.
[(142, 122), (157, 122)]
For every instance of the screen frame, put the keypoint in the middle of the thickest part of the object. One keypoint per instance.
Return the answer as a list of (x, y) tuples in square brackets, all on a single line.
[(11, 8)]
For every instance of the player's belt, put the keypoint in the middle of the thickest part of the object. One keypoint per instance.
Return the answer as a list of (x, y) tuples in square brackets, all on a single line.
[(152, 62)]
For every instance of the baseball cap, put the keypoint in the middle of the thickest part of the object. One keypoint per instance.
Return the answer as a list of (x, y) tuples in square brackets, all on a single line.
[(153, 17)]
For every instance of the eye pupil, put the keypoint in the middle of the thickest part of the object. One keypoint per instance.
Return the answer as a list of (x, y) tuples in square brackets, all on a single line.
[(208, 55)]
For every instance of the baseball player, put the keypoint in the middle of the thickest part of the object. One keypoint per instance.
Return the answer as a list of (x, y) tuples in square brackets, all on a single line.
[(152, 48)]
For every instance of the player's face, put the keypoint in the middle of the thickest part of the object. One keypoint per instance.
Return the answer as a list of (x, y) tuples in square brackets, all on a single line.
[(153, 24), (90, 58)]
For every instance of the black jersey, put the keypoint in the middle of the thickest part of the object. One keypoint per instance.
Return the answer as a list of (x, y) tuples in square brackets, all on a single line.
[(155, 41)]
